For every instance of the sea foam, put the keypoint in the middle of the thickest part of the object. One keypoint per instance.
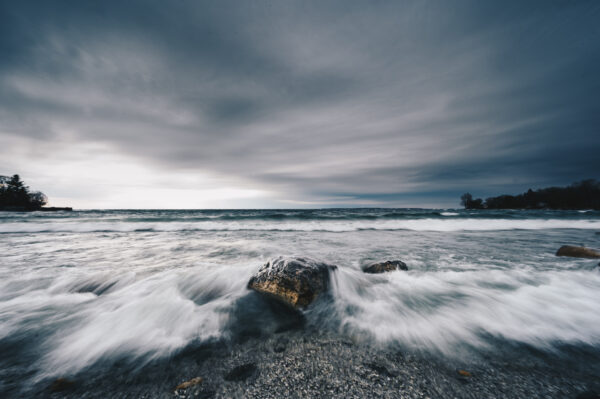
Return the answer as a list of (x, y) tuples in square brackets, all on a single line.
[(461, 224)]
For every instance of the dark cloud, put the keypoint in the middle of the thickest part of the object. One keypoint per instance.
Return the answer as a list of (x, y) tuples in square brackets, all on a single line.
[(332, 102)]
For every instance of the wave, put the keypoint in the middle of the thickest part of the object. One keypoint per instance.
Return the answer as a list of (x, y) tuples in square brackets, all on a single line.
[(293, 215), (444, 309), (81, 320), (430, 224), (89, 318)]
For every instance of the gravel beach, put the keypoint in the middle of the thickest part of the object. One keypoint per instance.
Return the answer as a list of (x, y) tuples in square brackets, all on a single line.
[(307, 364)]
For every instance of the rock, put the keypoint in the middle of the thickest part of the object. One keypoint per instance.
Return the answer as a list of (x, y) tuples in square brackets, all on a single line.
[(380, 369), (387, 266), (280, 345), (61, 385), (241, 373), (577, 252), (463, 376), (293, 281), (190, 383)]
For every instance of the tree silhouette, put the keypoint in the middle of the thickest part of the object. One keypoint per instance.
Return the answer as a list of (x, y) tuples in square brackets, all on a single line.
[(580, 195), (15, 195), (466, 199), (468, 202)]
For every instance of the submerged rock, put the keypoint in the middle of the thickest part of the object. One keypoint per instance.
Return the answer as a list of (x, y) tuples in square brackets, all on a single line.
[(589, 395), (387, 266), (577, 252), (294, 281), (61, 385)]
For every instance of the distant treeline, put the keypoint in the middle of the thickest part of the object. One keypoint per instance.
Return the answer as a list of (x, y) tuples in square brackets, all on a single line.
[(581, 195), (15, 195)]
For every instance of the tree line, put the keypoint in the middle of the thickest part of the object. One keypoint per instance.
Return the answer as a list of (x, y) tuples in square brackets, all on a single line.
[(15, 195), (581, 195)]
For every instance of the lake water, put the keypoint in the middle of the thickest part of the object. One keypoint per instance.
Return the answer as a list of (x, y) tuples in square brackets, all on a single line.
[(83, 288)]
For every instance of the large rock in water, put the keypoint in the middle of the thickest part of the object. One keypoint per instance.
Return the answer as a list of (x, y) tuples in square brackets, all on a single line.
[(294, 281), (577, 252), (387, 266)]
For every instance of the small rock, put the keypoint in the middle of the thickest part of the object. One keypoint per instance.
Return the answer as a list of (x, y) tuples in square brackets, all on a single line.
[(241, 373), (279, 348), (293, 281), (387, 266), (280, 345), (187, 384), (380, 369), (61, 384), (577, 252)]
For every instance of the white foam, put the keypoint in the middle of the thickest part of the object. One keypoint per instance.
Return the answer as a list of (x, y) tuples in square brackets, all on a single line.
[(430, 224), (443, 309), (141, 318)]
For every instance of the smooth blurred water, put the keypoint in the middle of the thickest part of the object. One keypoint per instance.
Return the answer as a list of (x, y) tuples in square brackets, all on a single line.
[(78, 289)]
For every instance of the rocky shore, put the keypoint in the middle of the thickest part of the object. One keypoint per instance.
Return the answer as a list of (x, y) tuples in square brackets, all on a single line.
[(308, 364)]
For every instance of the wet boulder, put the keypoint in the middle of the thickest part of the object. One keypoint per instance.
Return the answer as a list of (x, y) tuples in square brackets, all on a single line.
[(387, 266), (577, 252), (293, 281)]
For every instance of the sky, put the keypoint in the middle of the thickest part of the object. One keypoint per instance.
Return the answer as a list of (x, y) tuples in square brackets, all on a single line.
[(297, 104)]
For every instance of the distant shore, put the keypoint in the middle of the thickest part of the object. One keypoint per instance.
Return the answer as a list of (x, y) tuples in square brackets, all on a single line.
[(42, 209), (15, 196), (582, 195)]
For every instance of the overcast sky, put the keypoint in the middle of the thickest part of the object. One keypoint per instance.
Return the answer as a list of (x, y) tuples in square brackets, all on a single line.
[(220, 104)]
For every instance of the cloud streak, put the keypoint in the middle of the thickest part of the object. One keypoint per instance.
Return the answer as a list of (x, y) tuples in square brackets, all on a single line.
[(326, 103)]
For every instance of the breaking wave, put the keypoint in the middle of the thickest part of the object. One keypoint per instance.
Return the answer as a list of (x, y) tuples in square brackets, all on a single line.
[(458, 224)]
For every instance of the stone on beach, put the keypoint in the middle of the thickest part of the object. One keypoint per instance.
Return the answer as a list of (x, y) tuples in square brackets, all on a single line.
[(61, 385), (190, 383), (387, 266), (241, 373), (577, 252), (294, 281)]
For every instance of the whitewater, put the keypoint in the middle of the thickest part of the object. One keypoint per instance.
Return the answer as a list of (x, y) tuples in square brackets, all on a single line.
[(85, 290)]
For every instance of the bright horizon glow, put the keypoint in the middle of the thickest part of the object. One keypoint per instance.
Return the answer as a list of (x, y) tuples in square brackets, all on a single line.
[(96, 176)]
